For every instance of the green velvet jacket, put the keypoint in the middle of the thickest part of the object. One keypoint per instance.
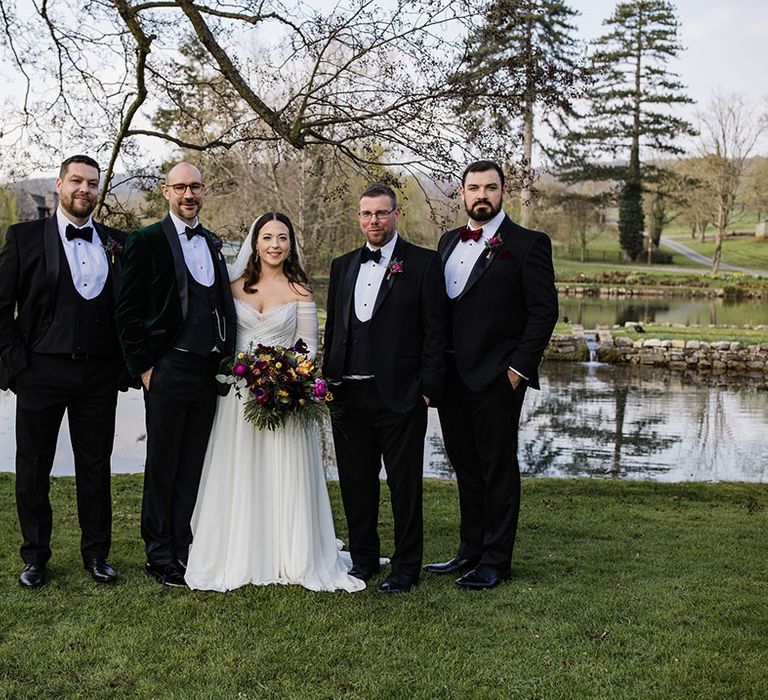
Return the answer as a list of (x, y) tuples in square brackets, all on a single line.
[(152, 302)]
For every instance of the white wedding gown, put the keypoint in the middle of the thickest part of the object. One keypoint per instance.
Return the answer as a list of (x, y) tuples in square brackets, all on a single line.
[(262, 514)]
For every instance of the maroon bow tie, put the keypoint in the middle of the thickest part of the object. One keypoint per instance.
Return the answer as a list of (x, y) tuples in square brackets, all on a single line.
[(466, 233)]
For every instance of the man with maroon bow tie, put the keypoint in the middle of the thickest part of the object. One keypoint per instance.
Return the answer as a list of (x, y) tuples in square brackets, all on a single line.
[(500, 280)]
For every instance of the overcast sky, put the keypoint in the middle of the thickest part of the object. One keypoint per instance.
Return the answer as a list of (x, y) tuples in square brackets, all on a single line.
[(726, 49), (726, 44)]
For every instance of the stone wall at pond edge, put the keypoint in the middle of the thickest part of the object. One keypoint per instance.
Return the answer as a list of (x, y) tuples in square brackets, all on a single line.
[(696, 355)]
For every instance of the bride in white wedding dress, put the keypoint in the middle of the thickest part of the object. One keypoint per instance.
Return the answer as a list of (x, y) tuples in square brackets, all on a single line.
[(262, 514)]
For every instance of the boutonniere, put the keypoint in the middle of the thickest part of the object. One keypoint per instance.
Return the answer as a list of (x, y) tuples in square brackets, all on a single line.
[(216, 242), (395, 267), (492, 244), (112, 248)]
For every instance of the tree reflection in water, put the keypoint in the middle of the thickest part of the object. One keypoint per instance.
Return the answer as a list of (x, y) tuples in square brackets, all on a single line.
[(636, 422)]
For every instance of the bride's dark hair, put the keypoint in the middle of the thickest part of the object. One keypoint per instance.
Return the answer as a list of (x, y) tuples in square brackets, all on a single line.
[(292, 268)]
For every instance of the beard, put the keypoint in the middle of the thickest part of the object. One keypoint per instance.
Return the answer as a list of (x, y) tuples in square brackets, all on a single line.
[(482, 211), (78, 207)]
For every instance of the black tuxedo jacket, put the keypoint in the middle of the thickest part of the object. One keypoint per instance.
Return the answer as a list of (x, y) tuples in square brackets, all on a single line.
[(408, 328), (153, 299), (30, 264), (508, 309)]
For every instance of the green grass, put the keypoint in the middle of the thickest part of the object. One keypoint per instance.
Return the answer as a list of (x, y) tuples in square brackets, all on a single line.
[(603, 253), (748, 336), (620, 590), (744, 251)]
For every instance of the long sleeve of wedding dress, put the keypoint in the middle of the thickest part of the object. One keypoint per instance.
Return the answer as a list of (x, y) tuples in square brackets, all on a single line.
[(307, 325)]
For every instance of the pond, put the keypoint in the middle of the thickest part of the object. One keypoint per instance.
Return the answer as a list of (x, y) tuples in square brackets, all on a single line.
[(591, 311), (587, 421)]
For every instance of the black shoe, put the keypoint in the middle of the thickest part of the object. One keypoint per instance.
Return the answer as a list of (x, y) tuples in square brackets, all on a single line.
[(33, 576), (458, 563), (397, 583), (482, 577), (101, 571), (364, 573), (166, 574)]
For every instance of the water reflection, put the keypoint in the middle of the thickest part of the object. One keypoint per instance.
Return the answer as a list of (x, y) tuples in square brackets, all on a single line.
[(589, 420)]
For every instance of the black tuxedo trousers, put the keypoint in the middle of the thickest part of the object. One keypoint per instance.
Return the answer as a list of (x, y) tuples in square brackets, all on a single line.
[(87, 390), (365, 430), (480, 434), (180, 405)]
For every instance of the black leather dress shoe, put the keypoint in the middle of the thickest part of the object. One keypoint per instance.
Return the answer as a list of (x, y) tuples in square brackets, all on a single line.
[(101, 571), (397, 583), (33, 576), (364, 573), (482, 577), (459, 564), (166, 574)]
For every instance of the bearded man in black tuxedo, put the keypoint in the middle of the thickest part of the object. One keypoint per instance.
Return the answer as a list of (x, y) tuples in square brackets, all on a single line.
[(385, 342), (59, 351), (500, 280), (176, 320)]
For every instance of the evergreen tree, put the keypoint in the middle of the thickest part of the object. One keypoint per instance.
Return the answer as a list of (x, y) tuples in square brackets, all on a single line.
[(524, 58), (629, 108)]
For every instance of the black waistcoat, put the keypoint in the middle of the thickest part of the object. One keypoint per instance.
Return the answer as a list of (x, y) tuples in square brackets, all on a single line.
[(80, 325), (203, 327), (358, 357)]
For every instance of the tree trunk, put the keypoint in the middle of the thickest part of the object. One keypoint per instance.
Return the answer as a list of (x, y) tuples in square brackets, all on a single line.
[(526, 195), (719, 235)]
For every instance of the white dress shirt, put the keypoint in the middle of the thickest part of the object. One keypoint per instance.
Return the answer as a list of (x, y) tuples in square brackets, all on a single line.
[(465, 255), (87, 262), (369, 279), (197, 255)]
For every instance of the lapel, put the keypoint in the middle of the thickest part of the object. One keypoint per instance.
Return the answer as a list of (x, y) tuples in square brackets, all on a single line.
[(114, 267), (219, 264), (485, 259), (52, 253), (348, 288), (389, 280), (179, 265), (451, 239)]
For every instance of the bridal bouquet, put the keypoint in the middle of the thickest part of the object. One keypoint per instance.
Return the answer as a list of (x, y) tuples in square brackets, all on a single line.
[(277, 382)]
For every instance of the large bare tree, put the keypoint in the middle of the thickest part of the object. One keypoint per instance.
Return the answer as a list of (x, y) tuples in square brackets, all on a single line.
[(370, 80)]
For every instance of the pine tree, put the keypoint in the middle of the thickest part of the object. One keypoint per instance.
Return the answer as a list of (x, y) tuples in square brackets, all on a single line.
[(629, 108), (526, 58)]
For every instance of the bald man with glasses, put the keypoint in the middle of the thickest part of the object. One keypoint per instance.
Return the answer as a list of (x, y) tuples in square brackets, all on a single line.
[(176, 321)]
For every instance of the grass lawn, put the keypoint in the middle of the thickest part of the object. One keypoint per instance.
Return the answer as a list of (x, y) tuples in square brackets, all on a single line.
[(747, 336), (744, 251), (620, 590)]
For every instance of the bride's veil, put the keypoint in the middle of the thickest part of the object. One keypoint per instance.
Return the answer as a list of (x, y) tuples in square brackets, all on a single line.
[(237, 268)]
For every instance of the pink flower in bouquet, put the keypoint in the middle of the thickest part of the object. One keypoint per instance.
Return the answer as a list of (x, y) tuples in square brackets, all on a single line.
[(240, 369), (320, 389)]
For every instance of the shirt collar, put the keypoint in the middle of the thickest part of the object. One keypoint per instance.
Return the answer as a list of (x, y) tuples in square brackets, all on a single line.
[(181, 227), (491, 227), (62, 221)]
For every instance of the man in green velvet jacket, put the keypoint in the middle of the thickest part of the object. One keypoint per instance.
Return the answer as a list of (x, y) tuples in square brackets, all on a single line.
[(176, 321)]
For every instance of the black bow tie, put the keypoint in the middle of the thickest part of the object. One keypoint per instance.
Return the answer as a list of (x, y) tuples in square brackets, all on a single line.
[(192, 232), (466, 233), (86, 233), (369, 254)]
